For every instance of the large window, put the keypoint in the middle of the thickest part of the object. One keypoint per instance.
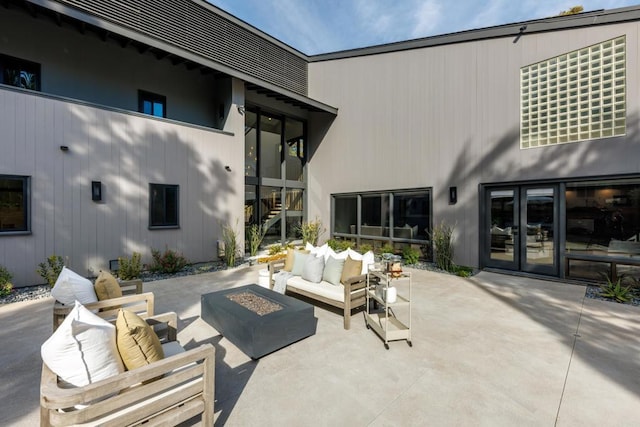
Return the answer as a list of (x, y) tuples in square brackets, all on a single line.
[(20, 73), (152, 104), (14, 203), (400, 218), (577, 96), (163, 206)]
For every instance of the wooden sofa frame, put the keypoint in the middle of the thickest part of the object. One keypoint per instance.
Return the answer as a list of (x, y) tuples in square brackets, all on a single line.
[(354, 292), (185, 390), (141, 304)]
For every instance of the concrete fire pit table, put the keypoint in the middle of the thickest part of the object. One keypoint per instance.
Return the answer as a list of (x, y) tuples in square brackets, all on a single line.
[(257, 320)]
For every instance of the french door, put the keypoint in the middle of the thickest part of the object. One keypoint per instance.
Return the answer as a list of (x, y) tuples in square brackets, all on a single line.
[(521, 228)]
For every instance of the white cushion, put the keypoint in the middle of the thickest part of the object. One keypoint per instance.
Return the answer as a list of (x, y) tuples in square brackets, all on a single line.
[(324, 289), (299, 260), (367, 259), (317, 250), (313, 268), (71, 287), (340, 255), (83, 349)]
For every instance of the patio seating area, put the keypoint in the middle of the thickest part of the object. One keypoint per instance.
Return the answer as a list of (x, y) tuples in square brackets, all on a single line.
[(488, 350)]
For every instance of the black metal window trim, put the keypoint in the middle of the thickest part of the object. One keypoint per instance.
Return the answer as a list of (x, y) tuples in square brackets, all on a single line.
[(18, 64), (26, 205), (153, 98), (164, 223)]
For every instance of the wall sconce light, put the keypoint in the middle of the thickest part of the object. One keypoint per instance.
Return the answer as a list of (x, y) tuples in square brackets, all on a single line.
[(241, 110), (227, 168), (453, 195), (96, 191), (64, 148)]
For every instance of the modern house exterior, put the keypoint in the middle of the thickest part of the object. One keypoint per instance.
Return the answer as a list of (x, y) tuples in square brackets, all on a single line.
[(150, 124)]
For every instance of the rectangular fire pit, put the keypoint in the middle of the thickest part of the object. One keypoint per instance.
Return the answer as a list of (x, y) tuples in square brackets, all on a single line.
[(258, 320)]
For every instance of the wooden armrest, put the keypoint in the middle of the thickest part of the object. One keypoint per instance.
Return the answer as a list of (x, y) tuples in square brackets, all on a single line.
[(170, 319), (274, 267), (130, 287), (362, 278), (177, 373), (141, 304)]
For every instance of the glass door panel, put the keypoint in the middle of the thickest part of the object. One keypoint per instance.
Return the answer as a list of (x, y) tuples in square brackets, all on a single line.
[(538, 243), (503, 226)]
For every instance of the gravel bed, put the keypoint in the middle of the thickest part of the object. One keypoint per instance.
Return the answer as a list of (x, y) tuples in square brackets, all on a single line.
[(43, 291)]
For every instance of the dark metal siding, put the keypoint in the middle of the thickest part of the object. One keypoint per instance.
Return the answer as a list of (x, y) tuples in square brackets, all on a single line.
[(198, 29)]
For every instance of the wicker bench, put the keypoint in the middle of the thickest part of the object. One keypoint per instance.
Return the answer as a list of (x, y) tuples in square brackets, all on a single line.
[(185, 390), (353, 296)]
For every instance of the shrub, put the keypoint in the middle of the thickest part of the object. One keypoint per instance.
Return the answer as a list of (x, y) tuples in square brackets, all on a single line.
[(365, 248), (463, 271), (275, 249), (50, 269), (231, 249), (311, 231), (270, 258), (339, 245), (129, 268), (387, 248), (616, 291), (442, 238), (5, 282), (168, 262), (410, 255), (255, 236)]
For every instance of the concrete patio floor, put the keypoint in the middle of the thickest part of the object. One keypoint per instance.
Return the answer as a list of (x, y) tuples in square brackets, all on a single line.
[(492, 350)]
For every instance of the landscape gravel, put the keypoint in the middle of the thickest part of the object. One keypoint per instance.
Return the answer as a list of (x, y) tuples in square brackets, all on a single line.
[(43, 291)]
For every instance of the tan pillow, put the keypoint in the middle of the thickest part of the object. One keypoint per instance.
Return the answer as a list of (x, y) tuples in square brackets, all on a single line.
[(288, 264), (107, 286), (351, 269), (137, 344)]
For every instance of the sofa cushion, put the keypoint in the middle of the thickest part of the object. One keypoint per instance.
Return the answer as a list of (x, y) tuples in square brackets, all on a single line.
[(71, 287), (83, 349), (333, 270), (337, 255), (351, 269), (323, 289), (299, 259), (288, 263), (137, 344), (317, 250), (313, 268), (367, 259), (107, 286)]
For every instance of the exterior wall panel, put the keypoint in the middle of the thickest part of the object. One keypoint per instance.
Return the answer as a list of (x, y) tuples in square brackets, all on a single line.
[(125, 152), (449, 116)]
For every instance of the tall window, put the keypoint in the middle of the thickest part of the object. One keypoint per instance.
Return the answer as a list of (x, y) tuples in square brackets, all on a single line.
[(19, 72), (399, 217), (152, 104), (14, 203), (577, 96), (163, 206)]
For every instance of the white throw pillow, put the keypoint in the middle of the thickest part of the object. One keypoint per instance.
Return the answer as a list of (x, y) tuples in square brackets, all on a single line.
[(317, 250), (367, 259), (71, 287), (83, 349), (313, 268), (340, 255)]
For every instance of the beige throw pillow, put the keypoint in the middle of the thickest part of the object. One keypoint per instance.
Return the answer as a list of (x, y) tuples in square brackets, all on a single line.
[(137, 344), (351, 269), (288, 263), (107, 286)]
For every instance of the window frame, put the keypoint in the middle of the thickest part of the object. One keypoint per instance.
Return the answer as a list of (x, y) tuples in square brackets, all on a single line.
[(12, 62), (26, 189), (154, 98), (164, 225)]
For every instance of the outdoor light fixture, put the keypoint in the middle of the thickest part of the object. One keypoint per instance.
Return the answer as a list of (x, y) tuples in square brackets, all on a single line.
[(453, 195), (64, 148), (227, 168), (96, 191)]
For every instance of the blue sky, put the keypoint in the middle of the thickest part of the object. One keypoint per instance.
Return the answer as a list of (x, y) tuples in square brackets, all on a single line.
[(321, 26)]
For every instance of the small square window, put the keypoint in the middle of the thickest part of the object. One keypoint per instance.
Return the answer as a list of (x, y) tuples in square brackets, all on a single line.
[(19, 72), (163, 206), (14, 204), (152, 104)]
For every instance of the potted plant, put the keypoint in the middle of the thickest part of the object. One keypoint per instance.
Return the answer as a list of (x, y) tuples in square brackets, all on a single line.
[(129, 272)]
